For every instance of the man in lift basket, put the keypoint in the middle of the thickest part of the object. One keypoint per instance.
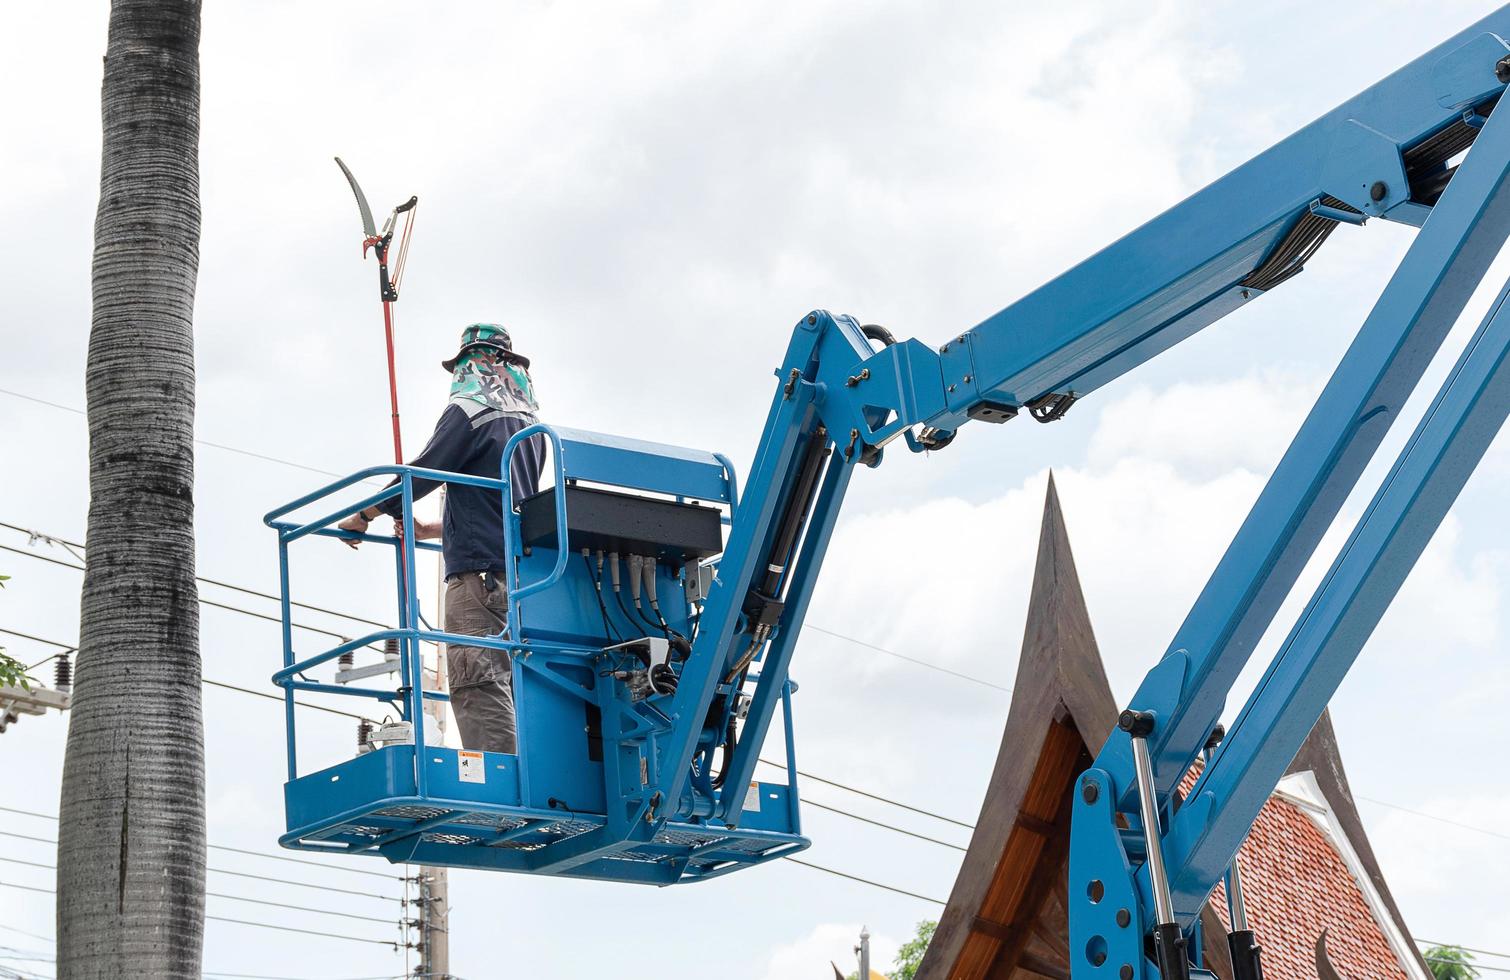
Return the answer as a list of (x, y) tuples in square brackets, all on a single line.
[(492, 398)]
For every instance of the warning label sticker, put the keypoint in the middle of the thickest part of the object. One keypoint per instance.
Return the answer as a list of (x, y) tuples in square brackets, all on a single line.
[(470, 768), (752, 797)]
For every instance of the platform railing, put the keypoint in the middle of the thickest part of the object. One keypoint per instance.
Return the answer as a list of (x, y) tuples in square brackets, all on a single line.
[(411, 631), (409, 696)]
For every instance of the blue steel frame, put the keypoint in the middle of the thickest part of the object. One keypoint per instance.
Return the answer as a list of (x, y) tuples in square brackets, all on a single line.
[(1155, 287), (843, 396), (352, 806)]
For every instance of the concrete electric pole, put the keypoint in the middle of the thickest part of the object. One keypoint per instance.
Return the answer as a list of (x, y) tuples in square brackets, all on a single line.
[(434, 894)]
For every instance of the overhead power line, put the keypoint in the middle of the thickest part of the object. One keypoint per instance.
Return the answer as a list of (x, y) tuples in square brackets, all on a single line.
[(912, 660), (871, 796), (202, 600), (238, 898), (864, 881), (70, 545), (821, 806), (1432, 816), (884, 826), (34, 535), (818, 629), (203, 442), (1466, 949), (890, 801), (1475, 966), (204, 680), (216, 847), (244, 922)]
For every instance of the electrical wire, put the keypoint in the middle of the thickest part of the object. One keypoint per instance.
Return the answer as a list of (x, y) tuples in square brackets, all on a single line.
[(239, 898), (864, 881), (23, 932), (902, 656), (205, 680), (202, 600), (800, 772), (622, 608), (1475, 966), (818, 629), (244, 922), (885, 826), (201, 442), (871, 796), (243, 874), (216, 847), (597, 579), (299, 908), (1466, 949), (619, 598), (1430, 816), (69, 545)]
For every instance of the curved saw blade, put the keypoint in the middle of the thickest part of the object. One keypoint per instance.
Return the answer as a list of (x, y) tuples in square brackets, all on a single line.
[(369, 227)]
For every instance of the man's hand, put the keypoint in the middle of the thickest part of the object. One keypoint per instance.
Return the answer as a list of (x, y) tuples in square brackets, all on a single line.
[(356, 523)]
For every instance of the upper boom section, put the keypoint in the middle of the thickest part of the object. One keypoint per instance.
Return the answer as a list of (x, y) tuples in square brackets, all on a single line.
[(1385, 153)]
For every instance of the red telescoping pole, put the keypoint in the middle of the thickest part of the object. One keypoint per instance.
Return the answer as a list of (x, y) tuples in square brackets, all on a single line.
[(398, 439)]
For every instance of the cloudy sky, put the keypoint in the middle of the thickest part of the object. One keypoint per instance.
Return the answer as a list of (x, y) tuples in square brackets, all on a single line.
[(651, 194)]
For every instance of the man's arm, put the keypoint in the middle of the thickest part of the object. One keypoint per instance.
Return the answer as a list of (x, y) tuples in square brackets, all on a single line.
[(447, 450)]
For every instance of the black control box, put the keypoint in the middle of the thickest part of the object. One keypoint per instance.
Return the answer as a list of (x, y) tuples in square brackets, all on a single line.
[(608, 521)]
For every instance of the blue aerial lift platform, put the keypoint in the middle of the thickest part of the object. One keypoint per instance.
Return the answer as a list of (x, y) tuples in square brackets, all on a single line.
[(635, 761)]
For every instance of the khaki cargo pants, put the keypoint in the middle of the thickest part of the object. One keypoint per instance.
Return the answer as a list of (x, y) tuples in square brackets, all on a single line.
[(481, 679)]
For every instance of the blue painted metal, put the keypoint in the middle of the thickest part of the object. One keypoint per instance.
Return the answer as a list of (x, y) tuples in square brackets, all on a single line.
[(1180, 272), (1338, 438), (1101, 885), (1409, 506), (661, 793), (571, 802)]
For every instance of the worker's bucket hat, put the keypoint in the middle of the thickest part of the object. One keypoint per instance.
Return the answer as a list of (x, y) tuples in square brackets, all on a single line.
[(486, 336)]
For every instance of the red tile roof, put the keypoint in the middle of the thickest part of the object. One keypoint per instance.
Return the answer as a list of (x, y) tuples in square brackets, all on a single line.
[(1296, 884)]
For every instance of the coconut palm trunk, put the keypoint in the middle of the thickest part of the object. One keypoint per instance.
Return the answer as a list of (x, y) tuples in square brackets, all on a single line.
[(131, 838)]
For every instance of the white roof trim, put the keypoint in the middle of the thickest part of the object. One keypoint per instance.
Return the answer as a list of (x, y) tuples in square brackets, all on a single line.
[(1301, 789)]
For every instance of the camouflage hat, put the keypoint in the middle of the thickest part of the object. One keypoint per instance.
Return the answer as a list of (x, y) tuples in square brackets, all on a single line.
[(486, 336)]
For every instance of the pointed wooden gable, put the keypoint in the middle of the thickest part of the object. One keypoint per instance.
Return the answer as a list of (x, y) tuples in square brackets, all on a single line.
[(1006, 917), (1006, 914)]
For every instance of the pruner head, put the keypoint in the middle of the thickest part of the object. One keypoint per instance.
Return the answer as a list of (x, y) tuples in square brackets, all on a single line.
[(393, 218)]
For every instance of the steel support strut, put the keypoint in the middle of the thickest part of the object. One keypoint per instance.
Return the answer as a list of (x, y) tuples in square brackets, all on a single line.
[(1187, 690), (1400, 521)]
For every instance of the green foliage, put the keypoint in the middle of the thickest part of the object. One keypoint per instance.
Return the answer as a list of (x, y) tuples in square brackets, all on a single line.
[(910, 956), (1450, 963), (12, 671)]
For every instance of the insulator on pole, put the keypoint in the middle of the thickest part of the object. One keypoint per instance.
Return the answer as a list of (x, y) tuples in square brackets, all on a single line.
[(63, 673)]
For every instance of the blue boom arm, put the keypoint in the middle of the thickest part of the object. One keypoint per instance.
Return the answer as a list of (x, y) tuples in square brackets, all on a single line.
[(1421, 147), (644, 773)]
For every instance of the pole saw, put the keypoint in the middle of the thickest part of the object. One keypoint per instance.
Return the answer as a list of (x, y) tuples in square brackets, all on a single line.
[(379, 243)]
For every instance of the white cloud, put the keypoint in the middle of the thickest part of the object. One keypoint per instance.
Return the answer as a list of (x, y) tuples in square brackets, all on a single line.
[(1208, 428), (830, 942), (1445, 871)]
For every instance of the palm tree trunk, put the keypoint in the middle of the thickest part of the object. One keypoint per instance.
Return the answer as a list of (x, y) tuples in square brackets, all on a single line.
[(131, 839)]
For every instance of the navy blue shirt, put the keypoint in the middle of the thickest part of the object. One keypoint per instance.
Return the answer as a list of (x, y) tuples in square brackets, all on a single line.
[(469, 438)]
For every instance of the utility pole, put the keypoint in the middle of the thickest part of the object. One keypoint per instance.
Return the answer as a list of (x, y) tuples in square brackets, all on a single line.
[(864, 950), (434, 897)]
